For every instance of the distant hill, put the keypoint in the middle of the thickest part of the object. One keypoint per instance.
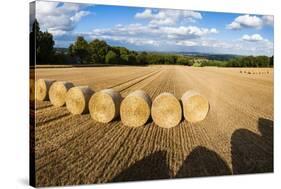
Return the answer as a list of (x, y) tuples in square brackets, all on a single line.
[(209, 56)]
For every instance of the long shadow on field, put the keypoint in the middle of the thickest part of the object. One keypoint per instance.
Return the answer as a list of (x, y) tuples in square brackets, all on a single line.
[(151, 167), (203, 162), (253, 153)]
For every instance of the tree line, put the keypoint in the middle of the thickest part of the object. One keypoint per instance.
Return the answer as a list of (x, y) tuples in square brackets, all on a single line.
[(42, 49), (251, 61), (41, 44), (99, 52), (242, 61)]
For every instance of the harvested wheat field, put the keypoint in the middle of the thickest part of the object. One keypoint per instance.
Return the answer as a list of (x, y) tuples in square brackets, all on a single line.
[(235, 137)]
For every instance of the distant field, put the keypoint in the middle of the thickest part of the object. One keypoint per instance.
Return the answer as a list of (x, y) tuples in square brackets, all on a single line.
[(236, 137)]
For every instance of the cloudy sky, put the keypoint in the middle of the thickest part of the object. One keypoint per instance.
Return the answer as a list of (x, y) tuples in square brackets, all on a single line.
[(153, 29)]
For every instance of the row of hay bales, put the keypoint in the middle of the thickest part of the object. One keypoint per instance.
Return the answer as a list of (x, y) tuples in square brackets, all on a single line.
[(254, 72), (134, 110)]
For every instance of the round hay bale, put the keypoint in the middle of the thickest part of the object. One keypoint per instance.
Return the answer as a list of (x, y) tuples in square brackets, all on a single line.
[(42, 87), (77, 99), (135, 109), (166, 110), (31, 89), (104, 106), (57, 92), (195, 106)]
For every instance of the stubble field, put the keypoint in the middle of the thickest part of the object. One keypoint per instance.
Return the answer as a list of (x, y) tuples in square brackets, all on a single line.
[(236, 136)]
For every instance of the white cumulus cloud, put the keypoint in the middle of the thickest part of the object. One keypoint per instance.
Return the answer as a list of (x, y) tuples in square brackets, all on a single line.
[(147, 13), (59, 18), (252, 38), (187, 32), (268, 19), (168, 17), (139, 31), (246, 21)]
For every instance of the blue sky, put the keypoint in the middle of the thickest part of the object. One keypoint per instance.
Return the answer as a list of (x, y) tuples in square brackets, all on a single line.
[(154, 29)]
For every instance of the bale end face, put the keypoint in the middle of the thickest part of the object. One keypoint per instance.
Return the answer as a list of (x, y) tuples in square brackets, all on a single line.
[(77, 99), (58, 91), (166, 110), (195, 106), (42, 87), (104, 106), (135, 109)]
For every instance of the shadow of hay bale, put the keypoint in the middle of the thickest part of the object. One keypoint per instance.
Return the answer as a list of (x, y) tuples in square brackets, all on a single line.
[(253, 153), (203, 162), (150, 167)]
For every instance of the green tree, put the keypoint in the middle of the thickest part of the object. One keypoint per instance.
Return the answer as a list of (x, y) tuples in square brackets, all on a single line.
[(70, 50), (32, 41), (111, 58), (124, 55), (98, 50), (263, 61), (42, 44), (183, 61), (132, 58), (45, 47), (141, 58), (271, 61), (80, 49)]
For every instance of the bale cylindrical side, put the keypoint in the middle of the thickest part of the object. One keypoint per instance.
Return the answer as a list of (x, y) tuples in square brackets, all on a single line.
[(31, 89), (42, 87), (104, 106), (135, 109), (57, 92), (195, 106), (77, 99), (166, 110)]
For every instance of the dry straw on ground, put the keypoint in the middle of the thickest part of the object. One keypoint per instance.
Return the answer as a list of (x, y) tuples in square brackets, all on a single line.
[(195, 106), (135, 109), (166, 110), (42, 87), (104, 106), (77, 99), (57, 92)]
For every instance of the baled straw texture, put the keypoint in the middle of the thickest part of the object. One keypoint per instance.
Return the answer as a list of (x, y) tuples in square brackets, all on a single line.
[(77, 99), (104, 106), (57, 92), (42, 87), (166, 110), (135, 109), (195, 106)]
